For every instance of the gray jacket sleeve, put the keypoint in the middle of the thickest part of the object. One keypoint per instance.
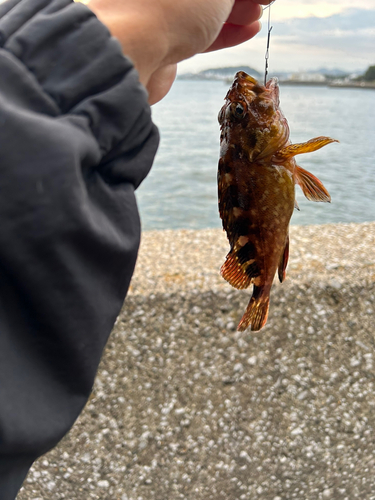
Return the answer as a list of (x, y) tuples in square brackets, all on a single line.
[(76, 140)]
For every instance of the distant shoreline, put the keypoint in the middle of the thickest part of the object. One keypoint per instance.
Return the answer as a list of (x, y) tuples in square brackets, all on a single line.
[(361, 85), (303, 83), (306, 83)]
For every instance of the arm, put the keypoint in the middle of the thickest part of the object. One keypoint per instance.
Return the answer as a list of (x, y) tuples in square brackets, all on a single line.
[(76, 139)]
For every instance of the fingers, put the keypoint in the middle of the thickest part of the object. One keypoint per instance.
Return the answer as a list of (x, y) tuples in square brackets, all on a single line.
[(245, 12), (160, 83), (242, 24), (263, 2), (232, 34)]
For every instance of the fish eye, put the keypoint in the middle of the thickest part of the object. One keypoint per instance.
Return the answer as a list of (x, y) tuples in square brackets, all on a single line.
[(238, 110)]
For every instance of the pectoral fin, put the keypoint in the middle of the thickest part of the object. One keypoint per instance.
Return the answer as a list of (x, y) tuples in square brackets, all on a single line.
[(311, 186), (304, 147)]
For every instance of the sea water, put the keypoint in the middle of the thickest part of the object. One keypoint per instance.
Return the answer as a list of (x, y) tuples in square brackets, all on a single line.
[(181, 189)]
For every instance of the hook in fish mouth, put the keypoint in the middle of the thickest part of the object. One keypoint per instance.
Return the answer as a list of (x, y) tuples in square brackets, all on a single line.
[(242, 75), (243, 78), (273, 87), (272, 82), (244, 81)]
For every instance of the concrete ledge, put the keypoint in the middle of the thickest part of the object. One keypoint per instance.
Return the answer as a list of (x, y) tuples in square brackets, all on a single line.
[(185, 407)]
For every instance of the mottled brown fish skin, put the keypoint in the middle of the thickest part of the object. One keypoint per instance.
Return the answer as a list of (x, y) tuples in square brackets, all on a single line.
[(256, 178)]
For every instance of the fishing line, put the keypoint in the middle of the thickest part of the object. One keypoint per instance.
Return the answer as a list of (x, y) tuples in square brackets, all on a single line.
[(267, 56)]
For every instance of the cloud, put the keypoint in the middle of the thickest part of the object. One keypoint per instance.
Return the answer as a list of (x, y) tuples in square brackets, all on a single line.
[(351, 34), (351, 20), (288, 9), (345, 40)]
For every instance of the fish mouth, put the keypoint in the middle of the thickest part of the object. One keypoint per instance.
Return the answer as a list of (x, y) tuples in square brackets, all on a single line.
[(243, 80), (272, 83), (246, 82), (241, 75)]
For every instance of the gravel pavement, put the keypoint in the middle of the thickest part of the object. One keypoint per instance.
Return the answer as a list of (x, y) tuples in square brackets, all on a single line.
[(185, 407)]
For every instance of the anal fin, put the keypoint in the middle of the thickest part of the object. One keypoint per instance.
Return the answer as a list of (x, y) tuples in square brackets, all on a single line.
[(311, 186), (233, 272), (256, 313), (284, 261)]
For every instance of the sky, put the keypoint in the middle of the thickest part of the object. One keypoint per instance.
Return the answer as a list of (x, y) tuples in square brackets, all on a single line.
[(306, 35)]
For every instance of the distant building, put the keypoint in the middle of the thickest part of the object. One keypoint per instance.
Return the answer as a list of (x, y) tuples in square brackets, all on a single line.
[(308, 77)]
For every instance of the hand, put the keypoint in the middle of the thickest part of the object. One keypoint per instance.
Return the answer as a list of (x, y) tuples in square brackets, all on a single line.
[(157, 35)]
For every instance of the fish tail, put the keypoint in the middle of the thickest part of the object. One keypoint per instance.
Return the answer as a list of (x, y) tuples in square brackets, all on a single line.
[(256, 313)]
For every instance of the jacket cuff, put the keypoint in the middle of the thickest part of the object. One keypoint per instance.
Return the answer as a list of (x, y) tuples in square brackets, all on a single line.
[(82, 70)]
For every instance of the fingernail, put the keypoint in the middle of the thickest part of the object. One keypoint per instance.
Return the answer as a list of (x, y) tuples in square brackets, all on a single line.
[(260, 26), (261, 12)]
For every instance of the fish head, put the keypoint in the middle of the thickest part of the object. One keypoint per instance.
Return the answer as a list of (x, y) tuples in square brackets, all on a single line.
[(251, 118)]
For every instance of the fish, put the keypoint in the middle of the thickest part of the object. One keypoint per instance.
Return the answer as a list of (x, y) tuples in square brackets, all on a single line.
[(257, 174)]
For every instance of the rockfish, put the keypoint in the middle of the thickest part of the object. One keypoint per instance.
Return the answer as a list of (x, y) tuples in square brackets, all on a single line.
[(256, 179)]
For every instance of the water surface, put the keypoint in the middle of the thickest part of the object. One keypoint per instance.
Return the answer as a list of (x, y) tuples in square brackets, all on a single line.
[(181, 190)]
